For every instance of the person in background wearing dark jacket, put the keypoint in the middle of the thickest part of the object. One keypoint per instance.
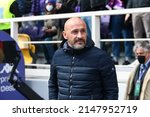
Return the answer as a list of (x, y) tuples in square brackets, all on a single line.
[(50, 31), (79, 70), (24, 6), (90, 5), (63, 6), (10, 9), (121, 28)]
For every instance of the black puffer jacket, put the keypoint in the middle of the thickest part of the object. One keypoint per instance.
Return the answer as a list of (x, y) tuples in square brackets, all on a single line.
[(82, 75)]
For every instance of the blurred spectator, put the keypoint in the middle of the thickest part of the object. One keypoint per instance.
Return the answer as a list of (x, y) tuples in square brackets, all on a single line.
[(121, 29), (49, 30), (97, 5), (115, 4), (50, 6), (105, 33), (10, 9), (34, 28), (24, 6), (38, 7), (64, 6), (90, 5), (141, 21), (83, 6), (31, 29)]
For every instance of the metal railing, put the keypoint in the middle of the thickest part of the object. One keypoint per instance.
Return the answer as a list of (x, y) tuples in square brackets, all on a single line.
[(95, 21)]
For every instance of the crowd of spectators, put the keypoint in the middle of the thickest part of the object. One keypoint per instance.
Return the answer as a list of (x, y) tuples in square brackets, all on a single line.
[(117, 26)]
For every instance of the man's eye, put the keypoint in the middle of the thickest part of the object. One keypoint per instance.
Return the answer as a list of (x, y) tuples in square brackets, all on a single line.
[(83, 31), (75, 32)]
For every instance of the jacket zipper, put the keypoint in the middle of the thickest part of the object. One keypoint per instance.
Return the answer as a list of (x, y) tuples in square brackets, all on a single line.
[(70, 77)]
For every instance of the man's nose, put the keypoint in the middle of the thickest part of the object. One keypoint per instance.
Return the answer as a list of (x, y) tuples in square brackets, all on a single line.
[(79, 35)]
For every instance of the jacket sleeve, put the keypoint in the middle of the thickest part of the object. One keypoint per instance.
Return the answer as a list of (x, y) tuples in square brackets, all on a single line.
[(109, 78), (52, 83)]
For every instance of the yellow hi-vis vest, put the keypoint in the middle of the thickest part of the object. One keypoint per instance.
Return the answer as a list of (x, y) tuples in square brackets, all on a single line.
[(5, 13)]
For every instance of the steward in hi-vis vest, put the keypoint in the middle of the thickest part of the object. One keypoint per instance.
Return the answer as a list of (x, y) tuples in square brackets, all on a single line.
[(5, 9)]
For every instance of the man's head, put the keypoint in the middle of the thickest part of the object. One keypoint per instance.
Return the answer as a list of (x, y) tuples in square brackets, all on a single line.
[(49, 6), (142, 51), (75, 33)]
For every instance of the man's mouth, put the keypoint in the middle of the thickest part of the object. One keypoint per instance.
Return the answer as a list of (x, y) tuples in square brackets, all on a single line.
[(79, 41)]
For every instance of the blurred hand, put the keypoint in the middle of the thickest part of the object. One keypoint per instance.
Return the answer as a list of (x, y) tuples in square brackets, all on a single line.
[(127, 17), (44, 29), (58, 5)]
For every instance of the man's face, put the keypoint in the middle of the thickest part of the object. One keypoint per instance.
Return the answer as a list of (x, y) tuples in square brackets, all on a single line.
[(75, 33), (140, 52)]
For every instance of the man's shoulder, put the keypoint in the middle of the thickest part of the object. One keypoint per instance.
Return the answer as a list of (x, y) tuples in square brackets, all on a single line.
[(98, 50), (58, 51), (101, 54)]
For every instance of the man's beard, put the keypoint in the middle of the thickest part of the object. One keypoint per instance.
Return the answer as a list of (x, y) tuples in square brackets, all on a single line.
[(79, 44)]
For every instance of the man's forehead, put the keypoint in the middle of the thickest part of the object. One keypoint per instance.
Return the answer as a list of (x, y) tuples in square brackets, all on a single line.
[(74, 22), (139, 49), (76, 28)]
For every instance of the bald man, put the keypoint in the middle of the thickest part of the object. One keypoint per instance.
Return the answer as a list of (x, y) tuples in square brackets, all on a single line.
[(75, 33), (79, 70)]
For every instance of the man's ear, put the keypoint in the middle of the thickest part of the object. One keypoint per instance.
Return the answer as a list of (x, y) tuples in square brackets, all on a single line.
[(64, 35)]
